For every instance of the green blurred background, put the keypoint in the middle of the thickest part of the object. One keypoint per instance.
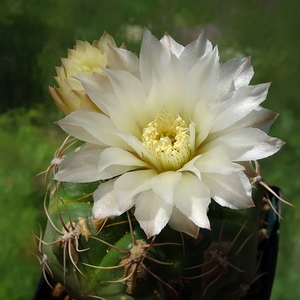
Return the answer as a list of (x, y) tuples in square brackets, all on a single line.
[(34, 34)]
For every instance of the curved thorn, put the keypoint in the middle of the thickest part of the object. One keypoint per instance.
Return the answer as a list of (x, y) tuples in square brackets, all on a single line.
[(48, 216), (108, 268), (48, 244), (162, 244), (64, 262), (110, 245), (61, 219), (77, 246), (272, 192), (78, 199), (130, 228), (274, 209), (198, 266), (236, 237), (69, 245), (158, 261), (45, 276), (97, 297), (204, 274), (241, 247), (158, 278), (123, 279), (215, 280)]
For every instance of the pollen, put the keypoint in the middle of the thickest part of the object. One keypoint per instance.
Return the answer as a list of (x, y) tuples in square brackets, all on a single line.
[(167, 140)]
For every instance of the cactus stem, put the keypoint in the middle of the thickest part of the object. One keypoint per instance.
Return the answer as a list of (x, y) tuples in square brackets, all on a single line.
[(133, 262)]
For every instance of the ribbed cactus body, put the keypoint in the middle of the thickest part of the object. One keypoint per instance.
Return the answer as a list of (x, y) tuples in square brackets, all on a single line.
[(112, 259)]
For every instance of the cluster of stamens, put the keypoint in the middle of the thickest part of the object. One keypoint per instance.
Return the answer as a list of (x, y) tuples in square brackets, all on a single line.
[(167, 140)]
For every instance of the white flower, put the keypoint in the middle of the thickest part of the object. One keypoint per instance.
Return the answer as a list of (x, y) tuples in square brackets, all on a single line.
[(171, 137), (85, 57)]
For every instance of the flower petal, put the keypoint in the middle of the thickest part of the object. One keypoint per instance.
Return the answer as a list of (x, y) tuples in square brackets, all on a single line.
[(260, 118), (246, 144), (216, 160), (98, 88), (192, 198), (171, 99), (164, 185), (234, 74), (130, 94), (101, 92), (154, 59), (105, 204), (94, 83), (190, 167), (202, 79), (170, 45), (81, 165), (116, 161), (131, 184), (152, 212), (201, 82), (233, 191), (204, 117), (122, 59), (153, 104), (85, 124), (195, 51), (180, 222), (241, 102), (138, 147)]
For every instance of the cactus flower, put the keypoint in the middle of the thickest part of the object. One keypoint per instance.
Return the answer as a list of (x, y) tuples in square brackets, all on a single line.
[(172, 136), (85, 57)]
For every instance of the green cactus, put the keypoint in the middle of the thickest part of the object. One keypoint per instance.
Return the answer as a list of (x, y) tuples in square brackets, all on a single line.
[(112, 258)]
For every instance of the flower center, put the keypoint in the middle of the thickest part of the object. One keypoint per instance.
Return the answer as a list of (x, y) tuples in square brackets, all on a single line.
[(167, 140)]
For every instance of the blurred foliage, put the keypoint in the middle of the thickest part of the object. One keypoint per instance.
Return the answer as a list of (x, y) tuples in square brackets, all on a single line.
[(36, 33), (25, 150)]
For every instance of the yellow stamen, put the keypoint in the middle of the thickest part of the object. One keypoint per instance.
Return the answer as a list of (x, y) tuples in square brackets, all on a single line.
[(167, 140)]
